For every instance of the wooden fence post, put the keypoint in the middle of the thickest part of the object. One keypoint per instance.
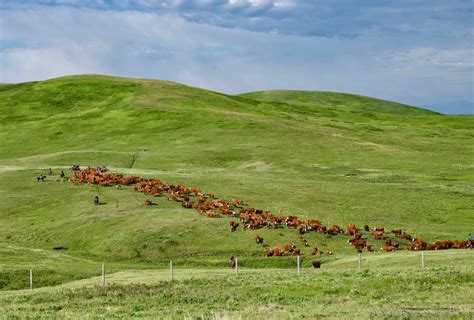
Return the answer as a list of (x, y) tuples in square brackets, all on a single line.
[(236, 267), (298, 264), (31, 279), (360, 262), (171, 270), (103, 275)]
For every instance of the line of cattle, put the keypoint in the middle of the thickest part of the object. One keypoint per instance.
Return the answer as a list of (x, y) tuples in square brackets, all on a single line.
[(252, 218)]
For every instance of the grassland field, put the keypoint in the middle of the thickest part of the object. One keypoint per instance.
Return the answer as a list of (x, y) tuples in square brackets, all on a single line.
[(338, 158)]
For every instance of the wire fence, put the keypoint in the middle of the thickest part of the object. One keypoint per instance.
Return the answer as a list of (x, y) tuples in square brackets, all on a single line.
[(238, 267)]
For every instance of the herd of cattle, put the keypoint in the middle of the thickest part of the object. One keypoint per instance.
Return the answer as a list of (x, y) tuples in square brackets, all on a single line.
[(252, 218)]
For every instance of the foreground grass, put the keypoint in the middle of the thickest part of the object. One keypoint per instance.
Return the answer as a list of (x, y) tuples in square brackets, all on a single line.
[(444, 289)]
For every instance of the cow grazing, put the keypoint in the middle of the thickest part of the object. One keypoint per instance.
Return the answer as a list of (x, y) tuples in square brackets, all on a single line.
[(237, 202), (316, 264), (388, 248), (269, 251), (351, 229), (378, 235), (258, 239), (296, 252), (334, 230), (277, 252)]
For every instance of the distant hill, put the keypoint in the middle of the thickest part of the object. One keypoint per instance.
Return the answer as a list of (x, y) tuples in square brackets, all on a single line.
[(336, 100)]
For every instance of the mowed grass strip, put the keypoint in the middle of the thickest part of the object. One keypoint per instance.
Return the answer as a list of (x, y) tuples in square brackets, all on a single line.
[(441, 290)]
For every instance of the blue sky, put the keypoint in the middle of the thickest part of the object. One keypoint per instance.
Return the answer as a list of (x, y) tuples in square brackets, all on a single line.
[(416, 52)]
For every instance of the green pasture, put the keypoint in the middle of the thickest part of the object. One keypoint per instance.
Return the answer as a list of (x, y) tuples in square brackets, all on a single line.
[(334, 157)]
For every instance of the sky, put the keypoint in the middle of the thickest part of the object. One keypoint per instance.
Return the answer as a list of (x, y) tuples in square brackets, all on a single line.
[(412, 51)]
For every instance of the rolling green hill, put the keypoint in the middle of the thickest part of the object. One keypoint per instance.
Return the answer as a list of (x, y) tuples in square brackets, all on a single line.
[(335, 100), (335, 157)]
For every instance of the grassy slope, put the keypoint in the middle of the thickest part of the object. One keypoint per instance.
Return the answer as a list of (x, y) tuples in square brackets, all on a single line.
[(407, 168), (335, 100), (389, 286)]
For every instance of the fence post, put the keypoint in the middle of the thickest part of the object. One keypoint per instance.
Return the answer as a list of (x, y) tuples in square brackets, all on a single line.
[(31, 279), (171, 270), (422, 259), (236, 267), (360, 262), (298, 264), (103, 275)]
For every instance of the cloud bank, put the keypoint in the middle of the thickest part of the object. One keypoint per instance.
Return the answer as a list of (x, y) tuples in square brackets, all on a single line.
[(417, 52)]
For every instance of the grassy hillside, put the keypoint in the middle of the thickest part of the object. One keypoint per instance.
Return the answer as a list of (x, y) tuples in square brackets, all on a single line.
[(339, 158), (335, 100)]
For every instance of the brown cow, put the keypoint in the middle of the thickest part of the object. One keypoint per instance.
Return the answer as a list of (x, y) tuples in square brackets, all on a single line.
[(351, 229), (268, 251), (378, 235), (368, 248), (277, 252)]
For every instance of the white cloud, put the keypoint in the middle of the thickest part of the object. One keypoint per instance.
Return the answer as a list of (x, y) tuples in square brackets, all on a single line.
[(55, 41), (22, 64)]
